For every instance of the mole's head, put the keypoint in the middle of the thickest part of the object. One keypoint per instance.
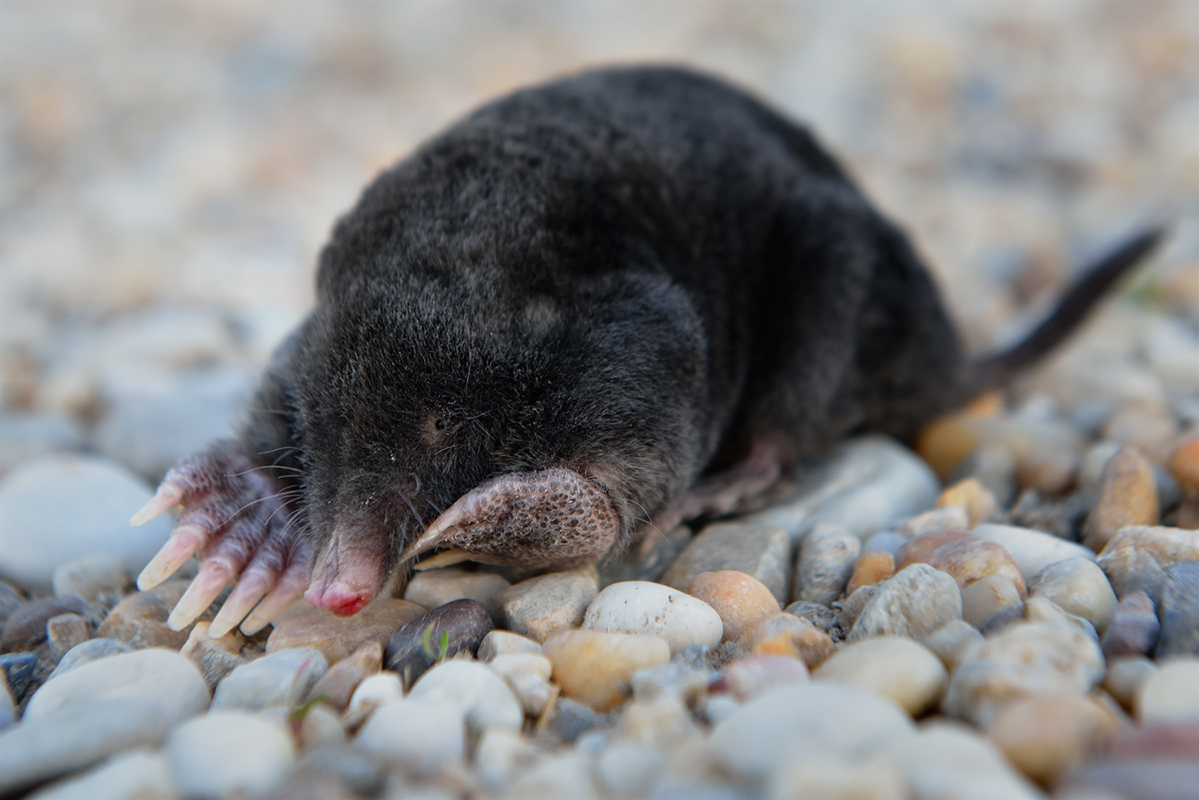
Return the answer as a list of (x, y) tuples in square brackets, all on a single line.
[(536, 430)]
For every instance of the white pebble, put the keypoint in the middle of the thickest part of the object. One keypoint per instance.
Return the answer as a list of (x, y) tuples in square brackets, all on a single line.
[(227, 752), (652, 609)]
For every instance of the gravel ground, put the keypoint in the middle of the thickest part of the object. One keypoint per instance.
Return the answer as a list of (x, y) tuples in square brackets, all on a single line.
[(167, 175)]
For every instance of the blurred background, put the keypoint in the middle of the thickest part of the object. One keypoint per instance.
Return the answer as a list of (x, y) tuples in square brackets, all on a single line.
[(169, 171)]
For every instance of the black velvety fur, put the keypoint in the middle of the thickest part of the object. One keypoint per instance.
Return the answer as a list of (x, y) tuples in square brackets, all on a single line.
[(634, 273)]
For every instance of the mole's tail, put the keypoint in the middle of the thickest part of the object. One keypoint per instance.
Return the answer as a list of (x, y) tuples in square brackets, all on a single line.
[(993, 371)]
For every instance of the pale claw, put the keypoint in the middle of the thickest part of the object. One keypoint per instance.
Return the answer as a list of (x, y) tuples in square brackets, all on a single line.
[(183, 544), (211, 580), (285, 594), (167, 497), (244, 597)]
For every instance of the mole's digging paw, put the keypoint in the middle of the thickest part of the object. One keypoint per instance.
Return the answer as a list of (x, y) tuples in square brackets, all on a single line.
[(550, 518), (236, 517)]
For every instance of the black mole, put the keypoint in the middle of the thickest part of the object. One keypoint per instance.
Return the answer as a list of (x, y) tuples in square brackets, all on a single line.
[(607, 303)]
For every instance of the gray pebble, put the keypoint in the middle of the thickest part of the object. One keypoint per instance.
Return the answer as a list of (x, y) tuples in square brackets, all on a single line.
[(639, 564), (357, 772), (96, 578), (761, 552), (915, 602), (1179, 612), (1134, 630), (538, 606), (681, 677), (822, 616), (1137, 558), (229, 752), (569, 720), (137, 775), (1077, 586), (23, 672), (628, 769), (418, 736), (416, 646), (434, 588), (282, 678), (825, 563), (87, 652), (26, 627), (8, 705), (886, 542), (483, 696)]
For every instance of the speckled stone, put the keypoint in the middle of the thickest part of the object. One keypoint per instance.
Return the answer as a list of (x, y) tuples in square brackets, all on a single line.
[(215, 658), (762, 552), (539, 606), (1138, 558), (825, 563), (653, 609), (913, 604)]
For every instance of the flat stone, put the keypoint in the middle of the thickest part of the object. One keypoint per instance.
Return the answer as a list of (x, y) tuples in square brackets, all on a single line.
[(757, 739), (985, 598), (1135, 628), (907, 674), (26, 627), (1079, 587), (460, 625), (97, 578), (597, 668), (161, 677), (282, 678), (913, 604), (421, 737), (1179, 612), (1170, 696), (433, 588), (1032, 550), (65, 631), (485, 698), (760, 552), (539, 606), (1039, 658), (1046, 738), (215, 658), (825, 563), (1127, 496), (337, 686), (229, 752), (867, 484), (336, 637), (139, 774), (656, 610), (140, 620), (1138, 558), (968, 558), (87, 652), (67, 507), (741, 600)]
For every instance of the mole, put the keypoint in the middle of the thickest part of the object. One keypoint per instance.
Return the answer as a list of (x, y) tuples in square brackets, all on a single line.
[(590, 309)]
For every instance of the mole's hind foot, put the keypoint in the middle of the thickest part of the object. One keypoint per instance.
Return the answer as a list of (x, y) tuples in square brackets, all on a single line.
[(235, 516)]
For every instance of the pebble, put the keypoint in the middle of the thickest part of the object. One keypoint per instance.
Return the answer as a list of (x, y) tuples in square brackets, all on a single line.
[(947, 518), (948, 441), (64, 632), (1146, 426), (1137, 558), (1135, 628), (373, 693), (555, 776), (27, 436), (1127, 496), (318, 725), (1152, 778), (498, 643), (747, 678), (96, 578), (165, 679), (823, 617), (67, 507), (134, 775), (8, 707), (1124, 678), (1090, 474), (499, 754), (648, 559), (521, 663), (417, 646), (788, 635), (336, 637), (825, 563), (1032, 550), (954, 642), (1079, 587), (946, 759), (1048, 737), (1038, 609), (913, 604), (78, 736), (215, 658), (641, 607), (229, 752), (740, 600), (1184, 464), (10, 600), (337, 686), (140, 620), (26, 627), (852, 606), (682, 677), (985, 598), (872, 567), (761, 552), (23, 673), (830, 775), (597, 668), (87, 652), (1034, 657), (483, 695), (344, 763), (907, 674), (533, 692), (973, 497), (626, 769), (418, 736), (283, 678), (966, 557), (758, 738), (569, 721), (1179, 611), (1170, 696), (539, 606), (433, 588), (867, 484)]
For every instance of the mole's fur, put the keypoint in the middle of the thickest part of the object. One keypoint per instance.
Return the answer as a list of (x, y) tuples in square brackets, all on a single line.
[(618, 300)]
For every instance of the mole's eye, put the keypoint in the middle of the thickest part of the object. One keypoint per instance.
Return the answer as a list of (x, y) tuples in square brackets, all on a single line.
[(439, 424)]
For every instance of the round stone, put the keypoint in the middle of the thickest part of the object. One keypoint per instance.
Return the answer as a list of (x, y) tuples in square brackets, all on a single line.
[(913, 604), (741, 600), (1079, 587), (909, 675), (1127, 496), (228, 752), (1048, 737), (597, 668), (420, 737), (652, 609), (1170, 695)]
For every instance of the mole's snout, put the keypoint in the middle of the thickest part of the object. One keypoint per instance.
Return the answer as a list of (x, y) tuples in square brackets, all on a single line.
[(549, 518), (348, 573)]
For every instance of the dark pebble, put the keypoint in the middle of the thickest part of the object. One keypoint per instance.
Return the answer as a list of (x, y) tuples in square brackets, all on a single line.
[(820, 615), (417, 645), (26, 628), (21, 670), (1179, 612), (569, 720), (354, 769), (1134, 630), (1002, 619)]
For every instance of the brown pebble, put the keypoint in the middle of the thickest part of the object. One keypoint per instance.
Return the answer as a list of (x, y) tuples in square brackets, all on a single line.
[(215, 658), (596, 667), (1128, 496), (973, 497), (140, 620), (1051, 474), (1046, 737), (873, 567), (788, 635), (1184, 464), (1147, 427), (965, 556), (336, 636), (337, 686), (741, 600), (26, 628), (948, 441)]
